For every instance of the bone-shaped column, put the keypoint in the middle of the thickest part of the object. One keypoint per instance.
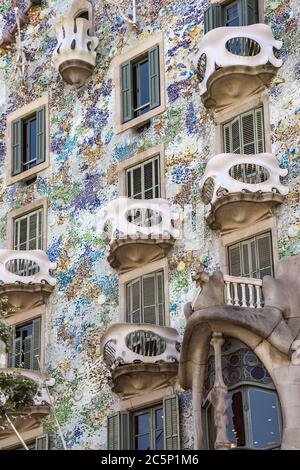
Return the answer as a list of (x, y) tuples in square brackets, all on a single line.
[(217, 396)]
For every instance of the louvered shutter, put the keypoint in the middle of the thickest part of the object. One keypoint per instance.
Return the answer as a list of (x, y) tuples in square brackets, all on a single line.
[(118, 431), (227, 138), (171, 423), (17, 144), (265, 257), (259, 127), (126, 91), (235, 267), (41, 135), (11, 347), (36, 343), (253, 253), (248, 133), (17, 352), (236, 136), (28, 348), (154, 82), (133, 301), (249, 9), (212, 17), (148, 180), (160, 298), (149, 299), (246, 270), (113, 432), (42, 442), (137, 183)]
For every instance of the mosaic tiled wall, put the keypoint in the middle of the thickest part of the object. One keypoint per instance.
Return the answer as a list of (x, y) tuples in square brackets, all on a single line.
[(81, 179)]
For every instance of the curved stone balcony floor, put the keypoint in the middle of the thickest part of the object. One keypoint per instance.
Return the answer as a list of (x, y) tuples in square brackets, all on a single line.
[(25, 277), (138, 239), (241, 189), (141, 357), (235, 62)]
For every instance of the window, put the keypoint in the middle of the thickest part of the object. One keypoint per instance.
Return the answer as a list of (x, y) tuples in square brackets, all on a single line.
[(252, 257), (155, 428), (245, 133), (237, 13), (27, 235), (148, 432), (253, 419), (28, 141), (145, 299), (140, 85), (40, 443), (26, 345), (143, 180)]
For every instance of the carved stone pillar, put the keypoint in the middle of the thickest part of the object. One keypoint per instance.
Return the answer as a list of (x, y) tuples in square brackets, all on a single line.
[(217, 396)]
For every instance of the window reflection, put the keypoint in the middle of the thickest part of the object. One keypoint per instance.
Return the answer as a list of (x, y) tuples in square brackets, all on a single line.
[(265, 426)]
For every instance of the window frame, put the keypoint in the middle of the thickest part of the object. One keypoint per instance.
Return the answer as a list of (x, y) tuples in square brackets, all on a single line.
[(17, 220), (151, 410), (24, 114), (21, 325), (142, 306), (125, 278), (247, 242), (142, 165), (244, 389), (130, 56)]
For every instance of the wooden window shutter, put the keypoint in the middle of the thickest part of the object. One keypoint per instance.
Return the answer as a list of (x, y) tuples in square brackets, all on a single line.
[(149, 180), (118, 431), (154, 81), (42, 442), (11, 347), (171, 423), (160, 300), (149, 299), (236, 136), (248, 133), (17, 141), (28, 350), (133, 301), (36, 343), (126, 91), (265, 256), (212, 17), (235, 265), (227, 138), (17, 352), (246, 259), (259, 128), (40, 135), (249, 9)]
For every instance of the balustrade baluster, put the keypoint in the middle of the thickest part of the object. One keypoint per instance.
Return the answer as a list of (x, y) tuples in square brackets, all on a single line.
[(244, 299), (251, 296), (236, 295)]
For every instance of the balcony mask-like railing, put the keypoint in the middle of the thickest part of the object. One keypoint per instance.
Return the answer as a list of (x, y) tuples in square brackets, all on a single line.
[(249, 46), (243, 291), (42, 396), (126, 343), (151, 218), (26, 267), (75, 55), (233, 173)]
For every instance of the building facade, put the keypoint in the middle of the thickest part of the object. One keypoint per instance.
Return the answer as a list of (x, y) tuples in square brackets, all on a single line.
[(149, 222)]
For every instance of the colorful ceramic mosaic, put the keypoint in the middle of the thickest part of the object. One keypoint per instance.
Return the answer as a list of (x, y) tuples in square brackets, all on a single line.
[(81, 179)]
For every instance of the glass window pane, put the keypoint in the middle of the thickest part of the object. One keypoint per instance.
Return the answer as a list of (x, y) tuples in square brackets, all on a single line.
[(142, 423), (144, 85), (236, 426), (264, 412), (159, 415), (32, 139), (142, 442), (159, 440)]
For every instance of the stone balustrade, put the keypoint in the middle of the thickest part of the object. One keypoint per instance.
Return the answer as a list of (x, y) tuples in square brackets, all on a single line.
[(243, 291), (26, 267), (126, 343), (233, 173), (249, 46)]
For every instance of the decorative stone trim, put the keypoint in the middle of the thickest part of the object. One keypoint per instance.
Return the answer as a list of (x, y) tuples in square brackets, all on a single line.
[(38, 257)]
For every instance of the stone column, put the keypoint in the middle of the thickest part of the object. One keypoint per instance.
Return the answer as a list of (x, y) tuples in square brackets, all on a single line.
[(217, 396)]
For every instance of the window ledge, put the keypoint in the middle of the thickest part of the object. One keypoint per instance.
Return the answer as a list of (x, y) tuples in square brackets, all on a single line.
[(140, 120), (27, 175)]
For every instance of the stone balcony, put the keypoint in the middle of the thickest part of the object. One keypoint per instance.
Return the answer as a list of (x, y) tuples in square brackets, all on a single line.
[(141, 357), (235, 62), (30, 417), (25, 277), (241, 188), (75, 54), (142, 231)]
